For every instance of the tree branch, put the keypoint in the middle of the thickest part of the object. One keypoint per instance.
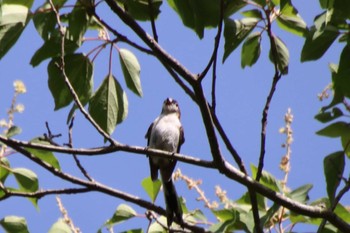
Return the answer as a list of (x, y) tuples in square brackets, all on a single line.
[(96, 186), (106, 150), (160, 53), (311, 211), (69, 85), (265, 112), (41, 193)]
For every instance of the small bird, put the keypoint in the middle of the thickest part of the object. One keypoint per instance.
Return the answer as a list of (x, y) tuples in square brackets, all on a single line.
[(166, 133)]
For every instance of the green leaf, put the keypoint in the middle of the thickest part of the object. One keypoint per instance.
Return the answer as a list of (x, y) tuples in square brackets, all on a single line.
[(317, 42), (225, 214), (232, 6), (295, 25), (79, 71), (4, 169), (109, 105), (251, 50), (326, 4), (342, 77), (14, 224), (244, 201), (255, 13), (52, 49), (197, 14), (60, 227), (13, 19), (270, 214), (221, 226), (131, 70), (267, 179), (301, 194), (26, 3), (26, 179), (45, 21), (333, 165), (334, 130), (13, 131), (44, 155), (123, 212), (133, 231), (279, 55), (140, 9), (78, 21), (152, 188), (327, 116), (235, 31), (158, 226)]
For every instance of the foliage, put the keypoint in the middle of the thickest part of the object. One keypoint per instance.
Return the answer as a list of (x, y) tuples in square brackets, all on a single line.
[(70, 68)]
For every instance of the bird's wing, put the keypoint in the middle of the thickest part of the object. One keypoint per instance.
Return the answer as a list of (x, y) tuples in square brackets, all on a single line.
[(181, 139), (148, 134)]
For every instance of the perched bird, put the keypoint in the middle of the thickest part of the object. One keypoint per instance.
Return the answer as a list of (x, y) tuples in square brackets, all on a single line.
[(166, 133)]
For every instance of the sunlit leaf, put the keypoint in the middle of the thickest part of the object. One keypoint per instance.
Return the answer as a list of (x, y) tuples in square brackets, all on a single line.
[(108, 106), (14, 224), (251, 50), (152, 188), (333, 165), (60, 227), (79, 70), (13, 19), (4, 169), (235, 31), (13, 131), (123, 212), (291, 24), (225, 214), (279, 55), (131, 70), (27, 180), (45, 155)]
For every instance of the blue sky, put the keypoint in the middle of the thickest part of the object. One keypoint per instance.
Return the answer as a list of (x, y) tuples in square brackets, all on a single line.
[(241, 95)]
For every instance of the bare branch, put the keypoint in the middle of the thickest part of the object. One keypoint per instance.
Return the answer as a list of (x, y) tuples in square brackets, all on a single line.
[(42, 193)]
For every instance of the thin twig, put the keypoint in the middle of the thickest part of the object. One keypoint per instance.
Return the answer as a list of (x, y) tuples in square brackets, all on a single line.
[(69, 85), (154, 29), (42, 193), (70, 145), (96, 186), (213, 58), (276, 78)]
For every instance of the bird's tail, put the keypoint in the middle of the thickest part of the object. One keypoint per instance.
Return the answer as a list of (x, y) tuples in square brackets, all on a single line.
[(172, 202)]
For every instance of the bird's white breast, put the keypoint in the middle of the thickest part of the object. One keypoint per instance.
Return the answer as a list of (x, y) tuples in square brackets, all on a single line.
[(165, 133)]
